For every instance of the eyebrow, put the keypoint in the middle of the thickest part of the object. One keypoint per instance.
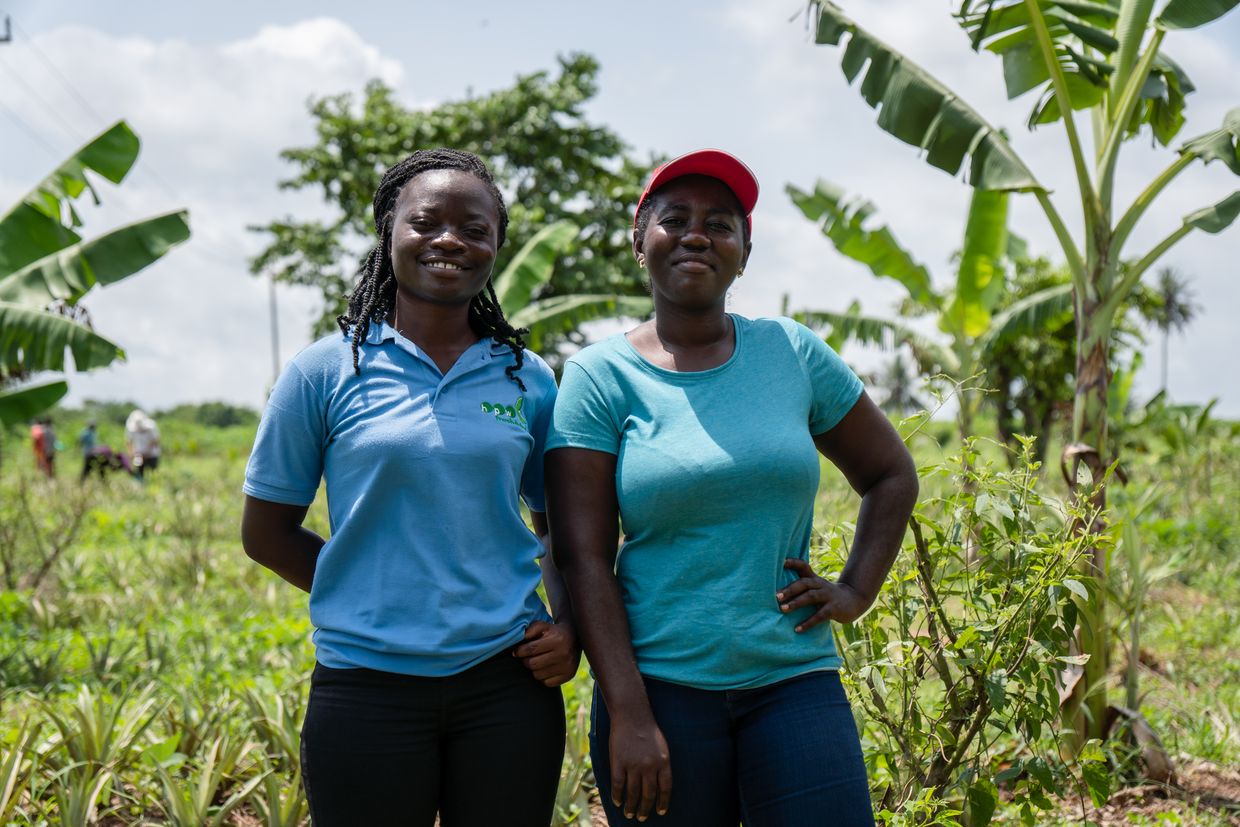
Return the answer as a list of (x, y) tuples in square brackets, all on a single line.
[(712, 211)]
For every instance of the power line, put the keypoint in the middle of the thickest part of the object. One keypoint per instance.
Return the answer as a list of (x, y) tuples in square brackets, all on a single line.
[(30, 131), (64, 81), (70, 130), (207, 248)]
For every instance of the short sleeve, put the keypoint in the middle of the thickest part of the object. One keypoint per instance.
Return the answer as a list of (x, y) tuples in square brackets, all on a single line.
[(287, 461), (834, 386), (532, 482), (583, 418)]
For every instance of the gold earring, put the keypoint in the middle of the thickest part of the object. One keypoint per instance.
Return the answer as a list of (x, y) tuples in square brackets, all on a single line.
[(740, 272), (641, 262)]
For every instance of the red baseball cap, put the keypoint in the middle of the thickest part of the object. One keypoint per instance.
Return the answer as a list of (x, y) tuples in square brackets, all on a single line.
[(717, 164)]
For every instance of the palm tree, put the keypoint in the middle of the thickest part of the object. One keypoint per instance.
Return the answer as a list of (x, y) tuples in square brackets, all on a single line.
[(901, 386), (1175, 309)]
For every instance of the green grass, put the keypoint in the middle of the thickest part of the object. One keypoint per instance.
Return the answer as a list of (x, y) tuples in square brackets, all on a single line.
[(154, 609)]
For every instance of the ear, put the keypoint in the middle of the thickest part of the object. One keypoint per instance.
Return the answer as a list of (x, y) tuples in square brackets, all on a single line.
[(638, 243), (745, 258)]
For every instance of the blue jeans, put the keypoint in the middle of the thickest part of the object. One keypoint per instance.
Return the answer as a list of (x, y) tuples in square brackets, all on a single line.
[(783, 755)]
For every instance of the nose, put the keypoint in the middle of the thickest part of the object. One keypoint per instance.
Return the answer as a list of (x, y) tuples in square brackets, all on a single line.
[(447, 240), (695, 236)]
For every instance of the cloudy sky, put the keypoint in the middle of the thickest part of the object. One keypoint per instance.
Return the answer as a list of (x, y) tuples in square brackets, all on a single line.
[(217, 90)]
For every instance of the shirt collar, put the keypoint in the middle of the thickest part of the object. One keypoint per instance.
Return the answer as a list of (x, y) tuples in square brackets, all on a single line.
[(381, 332)]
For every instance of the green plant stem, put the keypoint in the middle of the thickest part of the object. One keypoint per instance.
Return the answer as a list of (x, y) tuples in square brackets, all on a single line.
[(1142, 202), (1122, 114), (1075, 263), (1089, 200), (1131, 278)]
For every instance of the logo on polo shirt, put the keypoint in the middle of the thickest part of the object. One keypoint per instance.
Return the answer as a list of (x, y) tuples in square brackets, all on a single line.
[(507, 413)]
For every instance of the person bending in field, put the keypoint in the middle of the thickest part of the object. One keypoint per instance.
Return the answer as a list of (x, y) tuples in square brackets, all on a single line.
[(435, 686)]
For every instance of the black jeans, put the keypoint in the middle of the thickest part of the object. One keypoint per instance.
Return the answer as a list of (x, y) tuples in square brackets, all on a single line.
[(481, 747)]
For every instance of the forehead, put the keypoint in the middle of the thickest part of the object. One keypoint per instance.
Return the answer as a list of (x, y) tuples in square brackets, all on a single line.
[(443, 189), (696, 191)]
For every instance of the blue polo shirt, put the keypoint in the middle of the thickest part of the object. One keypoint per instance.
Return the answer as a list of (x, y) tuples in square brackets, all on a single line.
[(430, 568)]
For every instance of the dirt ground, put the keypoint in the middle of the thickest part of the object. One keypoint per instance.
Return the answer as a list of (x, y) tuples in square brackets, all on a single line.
[(1200, 789)]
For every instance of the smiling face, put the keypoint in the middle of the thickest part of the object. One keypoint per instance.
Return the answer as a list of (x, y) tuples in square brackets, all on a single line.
[(694, 242), (445, 233)]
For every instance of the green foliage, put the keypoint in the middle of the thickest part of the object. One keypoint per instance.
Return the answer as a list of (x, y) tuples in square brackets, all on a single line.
[(954, 671), (46, 268), (919, 110), (224, 651), (549, 160), (208, 414)]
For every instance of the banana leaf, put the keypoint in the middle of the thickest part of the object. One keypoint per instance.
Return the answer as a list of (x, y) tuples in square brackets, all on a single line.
[(33, 228), (843, 220), (20, 404), (533, 265), (919, 110), (67, 274), (34, 340)]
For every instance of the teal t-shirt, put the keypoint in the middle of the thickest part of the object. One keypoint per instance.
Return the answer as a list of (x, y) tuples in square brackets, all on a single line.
[(716, 476)]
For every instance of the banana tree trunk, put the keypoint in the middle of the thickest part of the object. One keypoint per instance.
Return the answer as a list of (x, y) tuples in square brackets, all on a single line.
[(1087, 460)]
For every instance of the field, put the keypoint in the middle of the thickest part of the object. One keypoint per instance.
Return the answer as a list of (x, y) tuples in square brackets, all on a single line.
[(150, 673)]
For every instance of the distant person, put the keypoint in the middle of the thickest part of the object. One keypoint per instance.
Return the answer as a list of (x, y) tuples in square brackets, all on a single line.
[(142, 442), (87, 440), (437, 662), (43, 441), (102, 460)]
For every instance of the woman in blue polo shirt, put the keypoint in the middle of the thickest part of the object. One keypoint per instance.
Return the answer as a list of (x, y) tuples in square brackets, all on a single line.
[(426, 418), (701, 431)]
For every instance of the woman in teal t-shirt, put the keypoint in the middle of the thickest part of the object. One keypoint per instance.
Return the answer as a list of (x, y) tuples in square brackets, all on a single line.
[(700, 432)]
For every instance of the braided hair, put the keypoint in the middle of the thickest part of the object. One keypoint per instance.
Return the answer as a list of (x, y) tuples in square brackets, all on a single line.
[(374, 296)]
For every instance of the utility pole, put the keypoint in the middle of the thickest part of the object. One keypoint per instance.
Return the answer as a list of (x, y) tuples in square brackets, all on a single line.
[(275, 329), (8, 30)]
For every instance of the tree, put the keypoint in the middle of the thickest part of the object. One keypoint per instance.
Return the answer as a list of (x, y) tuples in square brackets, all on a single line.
[(967, 313), (1174, 311), (901, 386), (550, 161), (46, 268), (1105, 58)]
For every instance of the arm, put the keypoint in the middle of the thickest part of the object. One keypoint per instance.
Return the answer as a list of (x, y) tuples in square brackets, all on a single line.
[(876, 463), (551, 650), (272, 536), (584, 516)]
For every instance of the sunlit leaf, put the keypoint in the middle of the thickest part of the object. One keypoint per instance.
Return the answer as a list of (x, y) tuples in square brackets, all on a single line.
[(919, 110)]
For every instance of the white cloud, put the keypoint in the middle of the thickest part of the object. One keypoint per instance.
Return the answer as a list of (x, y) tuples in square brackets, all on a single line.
[(212, 120)]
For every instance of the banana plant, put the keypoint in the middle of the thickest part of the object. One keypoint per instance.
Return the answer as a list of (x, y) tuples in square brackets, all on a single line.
[(46, 268), (1104, 59), (532, 267), (968, 314)]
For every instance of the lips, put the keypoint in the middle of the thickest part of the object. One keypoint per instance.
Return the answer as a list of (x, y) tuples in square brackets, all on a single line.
[(694, 263)]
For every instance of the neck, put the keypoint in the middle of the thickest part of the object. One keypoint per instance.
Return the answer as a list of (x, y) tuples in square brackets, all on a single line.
[(430, 325), (686, 328)]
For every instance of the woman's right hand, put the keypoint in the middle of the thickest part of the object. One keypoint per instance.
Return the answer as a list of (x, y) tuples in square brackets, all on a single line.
[(641, 770)]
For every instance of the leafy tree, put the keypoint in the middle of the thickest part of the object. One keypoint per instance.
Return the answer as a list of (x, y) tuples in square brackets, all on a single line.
[(550, 161), (968, 313), (1105, 58), (46, 268), (1174, 311)]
